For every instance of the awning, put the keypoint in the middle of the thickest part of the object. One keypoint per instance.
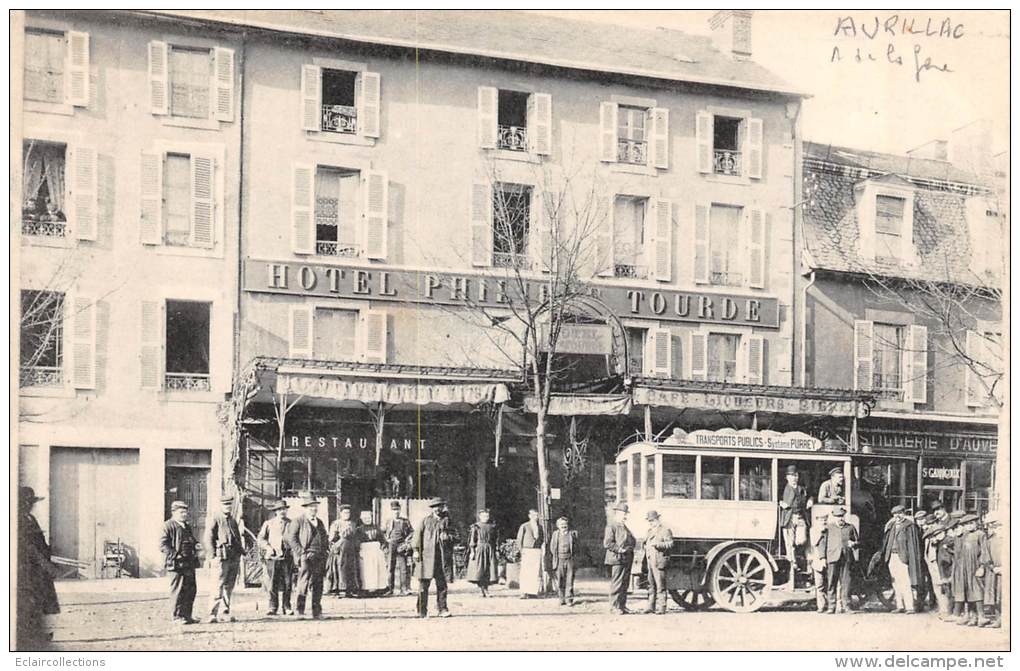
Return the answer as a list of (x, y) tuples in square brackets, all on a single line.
[(572, 405), (392, 392)]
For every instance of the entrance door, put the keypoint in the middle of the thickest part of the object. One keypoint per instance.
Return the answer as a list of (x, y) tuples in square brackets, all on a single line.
[(358, 493), (191, 485)]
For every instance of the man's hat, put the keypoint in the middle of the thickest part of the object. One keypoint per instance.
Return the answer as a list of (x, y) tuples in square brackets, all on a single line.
[(395, 505), (562, 518), (178, 505), (966, 519), (277, 505), (934, 530), (651, 515), (27, 495), (898, 508), (791, 469), (957, 514), (307, 499), (622, 507), (950, 524), (838, 511), (937, 505), (344, 506), (437, 502), (834, 470)]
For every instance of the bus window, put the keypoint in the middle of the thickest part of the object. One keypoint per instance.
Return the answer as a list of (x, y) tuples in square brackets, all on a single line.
[(649, 476), (717, 478), (755, 479), (634, 481), (678, 476)]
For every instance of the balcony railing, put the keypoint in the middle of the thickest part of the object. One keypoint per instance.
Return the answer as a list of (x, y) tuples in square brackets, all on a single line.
[(727, 162), (326, 248), (42, 376), (632, 151), (725, 278), (339, 119), (886, 387), (187, 382), (514, 138), (32, 225), (509, 260), (630, 270)]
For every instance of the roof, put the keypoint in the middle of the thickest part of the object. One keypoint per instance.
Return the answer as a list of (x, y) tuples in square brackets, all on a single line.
[(881, 163), (658, 53)]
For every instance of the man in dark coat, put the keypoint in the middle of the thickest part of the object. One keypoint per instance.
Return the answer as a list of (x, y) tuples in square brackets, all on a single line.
[(971, 562), (564, 547), (36, 595), (397, 533), (901, 552), (619, 543), (309, 545), (837, 547), (277, 564), (429, 558), (226, 542), (792, 512), (658, 543), (831, 491), (180, 552)]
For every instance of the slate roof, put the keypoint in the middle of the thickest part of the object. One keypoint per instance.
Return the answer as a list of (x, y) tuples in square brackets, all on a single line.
[(527, 37)]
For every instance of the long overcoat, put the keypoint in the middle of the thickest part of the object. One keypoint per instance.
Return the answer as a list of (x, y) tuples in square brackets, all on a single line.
[(901, 535), (35, 582), (971, 553), (431, 549)]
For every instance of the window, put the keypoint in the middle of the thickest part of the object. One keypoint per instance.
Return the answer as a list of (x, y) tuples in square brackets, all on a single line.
[(755, 479), (511, 217), (887, 359), (337, 211), (339, 109), (725, 246), (181, 202), (678, 473), (42, 339), (722, 357), (636, 350), (889, 225), (190, 82), (635, 476), (978, 486), (294, 474), (335, 335), (187, 345), (44, 65), (43, 208), (717, 478), (631, 137), (176, 199), (649, 463), (726, 156), (512, 121), (629, 249)]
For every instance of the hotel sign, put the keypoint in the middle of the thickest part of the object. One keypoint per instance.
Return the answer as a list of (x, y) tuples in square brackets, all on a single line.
[(490, 291)]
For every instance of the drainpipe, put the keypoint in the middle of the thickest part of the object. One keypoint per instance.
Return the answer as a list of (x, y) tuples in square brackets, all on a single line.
[(803, 331), (793, 110), (240, 204)]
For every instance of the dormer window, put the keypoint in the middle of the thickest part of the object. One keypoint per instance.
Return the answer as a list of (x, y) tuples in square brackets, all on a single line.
[(885, 215)]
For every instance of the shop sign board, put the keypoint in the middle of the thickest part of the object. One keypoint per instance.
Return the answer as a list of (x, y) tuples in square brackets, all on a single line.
[(957, 444), (942, 473), (594, 339), (745, 402), (793, 441)]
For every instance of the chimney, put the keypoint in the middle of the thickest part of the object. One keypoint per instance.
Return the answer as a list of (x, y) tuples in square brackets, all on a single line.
[(937, 150), (731, 32)]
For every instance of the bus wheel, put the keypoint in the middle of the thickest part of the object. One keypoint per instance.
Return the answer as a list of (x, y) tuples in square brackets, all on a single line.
[(741, 580), (691, 600)]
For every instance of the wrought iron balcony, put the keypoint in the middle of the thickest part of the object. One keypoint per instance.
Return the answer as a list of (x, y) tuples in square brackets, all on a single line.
[(326, 248), (725, 279), (34, 226), (632, 151), (886, 387), (514, 138), (187, 382), (339, 119), (728, 162), (42, 376), (509, 260), (630, 270)]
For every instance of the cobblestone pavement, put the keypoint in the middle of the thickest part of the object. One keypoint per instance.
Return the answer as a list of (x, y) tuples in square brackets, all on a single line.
[(132, 615)]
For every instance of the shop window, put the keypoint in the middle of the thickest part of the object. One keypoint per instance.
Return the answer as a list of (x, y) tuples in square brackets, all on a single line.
[(42, 339), (511, 217), (294, 474), (649, 481), (755, 479), (42, 204), (722, 357), (191, 73), (512, 120), (631, 135), (889, 225), (887, 360), (726, 156), (636, 338), (44, 65), (678, 476), (339, 109), (717, 478), (324, 475), (630, 256), (187, 345), (978, 488), (337, 211), (724, 244), (335, 334)]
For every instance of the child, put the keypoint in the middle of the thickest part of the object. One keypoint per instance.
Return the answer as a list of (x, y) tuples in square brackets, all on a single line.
[(563, 547), (482, 566)]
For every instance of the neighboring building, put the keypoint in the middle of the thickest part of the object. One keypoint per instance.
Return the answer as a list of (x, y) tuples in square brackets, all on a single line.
[(903, 271)]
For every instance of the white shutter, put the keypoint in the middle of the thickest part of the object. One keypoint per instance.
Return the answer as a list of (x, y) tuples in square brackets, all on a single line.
[(203, 211), (974, 388), (370, 104), (159, 78), (376, 207), (864, 353), (223, 83), (701, 231), (540, 123), (540, 238), (604, 258), (77, 69), (481, 224), (82, 177), (915, 365), (151, 352), (83, 342), (374, 330), (659, 137), (704, 131), (662, 241), (756, 248), (755, 360), (151, 215), (301, 331), (754, 150), (302, 196), (608, 132), (488, 116), (699, 355), (661, 352), (311, 97)]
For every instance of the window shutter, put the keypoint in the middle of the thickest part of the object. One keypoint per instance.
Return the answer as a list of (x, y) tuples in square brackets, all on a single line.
[(152, 344), (203, 211), (300, 331), (83, 180), (701, 213), (223, 75), (540, 235), (376, 190), (864, 354), (662, 352), (608, 138), (704, 129), (604, 258), (974, 388), (481, 224), (370, 104), (915, 365), (699, 355), (159, 79), (151, 217), (756, 248), (83, 343), (301, 208), (662, 243), (540, 123), (311, 97), (374, 346), (754, 150), (488, 116), (659, 137), (77, 69), (755, 360)]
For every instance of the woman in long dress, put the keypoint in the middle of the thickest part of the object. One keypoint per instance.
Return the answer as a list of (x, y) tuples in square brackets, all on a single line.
[(482, 568), (344, 570), (373, 559)]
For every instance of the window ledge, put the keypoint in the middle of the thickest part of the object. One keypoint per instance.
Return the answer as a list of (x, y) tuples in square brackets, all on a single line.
[(63, 109), (46, 392), (340, 138), (46, 241), (736, 180), (518, 156), (634, 169), (194, 252), (190, 396), (187, 122)]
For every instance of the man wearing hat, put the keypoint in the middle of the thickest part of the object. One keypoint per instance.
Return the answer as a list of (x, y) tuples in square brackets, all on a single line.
[(228, 545), (36, 595), (429, 560), (276, 559), (309, 545), (901, 553), (564, 547), (831, 491), (924, 588), (792, 511), (658, 543), (971, 561), (619, 543), (397, 533), (837, 548), (180, 551)]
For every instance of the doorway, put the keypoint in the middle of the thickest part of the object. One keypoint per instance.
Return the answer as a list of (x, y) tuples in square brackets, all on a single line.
[(187, 480)]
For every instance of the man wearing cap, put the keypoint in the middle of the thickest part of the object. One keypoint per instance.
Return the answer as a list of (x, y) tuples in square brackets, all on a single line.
[(228, 545), (309, 546), (903, 557), (838, 545), (180, 553), (933, 537), (792, 510), (429, 560), (658, 543), (924, 587), (619, 543), (939, 512), (530, 539), (277, 564), (831, 491), (397, 533), (564, 547), (971, 561), (36, 595)]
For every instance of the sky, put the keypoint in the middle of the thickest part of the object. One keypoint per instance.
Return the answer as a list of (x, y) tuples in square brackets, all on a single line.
[(878, 105)]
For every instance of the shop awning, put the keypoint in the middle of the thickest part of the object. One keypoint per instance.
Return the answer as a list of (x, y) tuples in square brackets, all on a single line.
[(571, 405), (392, 392)]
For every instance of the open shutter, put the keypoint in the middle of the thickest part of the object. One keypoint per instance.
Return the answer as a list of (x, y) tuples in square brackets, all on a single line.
[(659, 138), (662, 243), (370, 104), (77, 68), (704, 131), (608, 132), (159, 80), (203, 210), (223, 80), (301, 207), (83, 343), (311, 97), (662, 352), (604, 259), (864, 354), (756, 248), (481, 224), (300, 331), (151, 216), (374, 328), (376, 190), (974, 388), (699, 355), (488, 116), (83, 180), (915, 365), (540, 124), (701, 211), (151, 356), (755, 359), (540, 238), (754, 148)]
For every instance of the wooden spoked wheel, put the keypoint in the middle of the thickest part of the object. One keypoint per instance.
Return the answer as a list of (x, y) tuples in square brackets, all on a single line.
[(741, 579), (691, 600)]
